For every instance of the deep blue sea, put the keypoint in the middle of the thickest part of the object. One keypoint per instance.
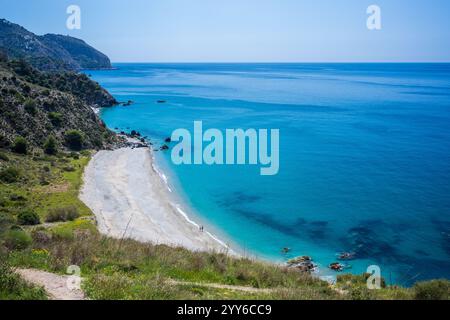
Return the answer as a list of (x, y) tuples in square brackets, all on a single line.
[(364, 157)]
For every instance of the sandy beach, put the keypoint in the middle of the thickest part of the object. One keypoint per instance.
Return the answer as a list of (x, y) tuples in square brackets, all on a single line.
[(129, 199)]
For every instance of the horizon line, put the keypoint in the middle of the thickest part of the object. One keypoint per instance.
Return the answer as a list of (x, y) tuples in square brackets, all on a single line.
[(286, 62)]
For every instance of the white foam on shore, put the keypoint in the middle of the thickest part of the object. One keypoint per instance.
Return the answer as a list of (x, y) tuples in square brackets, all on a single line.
[(185, 216), (161, 175), (177, 207)]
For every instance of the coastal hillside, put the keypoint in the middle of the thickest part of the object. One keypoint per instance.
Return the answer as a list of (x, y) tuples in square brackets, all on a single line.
[(50, 52), (49, 111)]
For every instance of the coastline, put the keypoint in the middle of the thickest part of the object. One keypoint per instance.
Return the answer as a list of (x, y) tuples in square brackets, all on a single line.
[(130, 199)]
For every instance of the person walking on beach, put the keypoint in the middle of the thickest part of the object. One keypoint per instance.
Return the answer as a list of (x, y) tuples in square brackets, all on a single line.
[(201, 228)]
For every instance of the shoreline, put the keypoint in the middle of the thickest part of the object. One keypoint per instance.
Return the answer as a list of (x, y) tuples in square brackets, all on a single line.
[(130, 199)]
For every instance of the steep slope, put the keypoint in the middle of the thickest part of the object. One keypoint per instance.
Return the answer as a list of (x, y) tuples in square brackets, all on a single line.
[(49, 52), (77, 84), (84, 55), (35, 105)]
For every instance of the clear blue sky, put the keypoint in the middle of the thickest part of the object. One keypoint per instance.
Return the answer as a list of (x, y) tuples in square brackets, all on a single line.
[(247, 30)]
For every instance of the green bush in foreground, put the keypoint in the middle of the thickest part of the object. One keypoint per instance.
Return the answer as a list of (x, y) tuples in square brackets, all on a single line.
[(16, 239), (50, 146), (20, 145), (6, 220), (74, 139), (30, 106), (12, 287), (432, 290), (9, 175), (28, 218), (55, 118), (4, 157), (4, 142), (62, 214)]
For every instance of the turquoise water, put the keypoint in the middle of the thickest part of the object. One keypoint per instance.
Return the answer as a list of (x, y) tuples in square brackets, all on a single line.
[(364, 157)]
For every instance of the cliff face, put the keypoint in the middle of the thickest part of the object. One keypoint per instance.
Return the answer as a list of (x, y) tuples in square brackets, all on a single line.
[(49, 52), (85, 56)]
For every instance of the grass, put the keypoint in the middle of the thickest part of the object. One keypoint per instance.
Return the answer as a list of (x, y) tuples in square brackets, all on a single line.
[(12, 287), (44, 184), (127, 269)]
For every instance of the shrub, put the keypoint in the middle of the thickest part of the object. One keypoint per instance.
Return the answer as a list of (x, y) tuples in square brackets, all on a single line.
[(432, 290), (17, 197), (97, 142), (17, 239), (40, 236), (74, 139), (75, 155), (4, 142), (4, 157), (12, 287), (55, 118), (20, 145), (69, 169), (28, 218), (10, 175), (30, 106), (43, 181), (62, 214), (6, 220), (26, 88), (50, 146)]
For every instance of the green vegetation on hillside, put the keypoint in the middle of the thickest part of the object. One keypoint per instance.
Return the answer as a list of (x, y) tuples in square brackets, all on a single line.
[(43, 111), (78, 84)]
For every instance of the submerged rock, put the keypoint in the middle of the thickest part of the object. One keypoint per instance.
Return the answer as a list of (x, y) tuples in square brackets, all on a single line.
[(336, 266), (128, 103), (346, 256), (135, 133)]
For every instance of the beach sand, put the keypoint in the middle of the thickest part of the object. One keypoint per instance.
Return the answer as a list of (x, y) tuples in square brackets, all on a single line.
[(130, 200)]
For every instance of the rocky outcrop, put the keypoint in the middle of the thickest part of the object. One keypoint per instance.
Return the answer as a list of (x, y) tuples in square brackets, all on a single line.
[(303, 264)]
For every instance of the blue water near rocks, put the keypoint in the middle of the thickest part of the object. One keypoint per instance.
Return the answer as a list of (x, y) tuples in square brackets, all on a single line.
[(364, 157)]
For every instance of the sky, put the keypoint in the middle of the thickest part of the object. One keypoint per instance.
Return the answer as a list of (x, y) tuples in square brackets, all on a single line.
[(247, 30)]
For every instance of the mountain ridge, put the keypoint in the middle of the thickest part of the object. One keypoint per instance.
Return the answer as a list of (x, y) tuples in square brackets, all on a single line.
[(50, 52)]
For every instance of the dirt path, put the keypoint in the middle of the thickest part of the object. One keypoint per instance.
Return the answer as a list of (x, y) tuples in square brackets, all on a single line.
[(55, 285), (222, 286)]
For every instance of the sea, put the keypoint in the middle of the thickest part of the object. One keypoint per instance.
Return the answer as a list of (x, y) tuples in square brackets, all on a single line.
[(364, 154)]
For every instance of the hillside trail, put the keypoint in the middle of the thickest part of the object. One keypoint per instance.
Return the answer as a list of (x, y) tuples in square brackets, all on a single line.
[(58, 287)]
